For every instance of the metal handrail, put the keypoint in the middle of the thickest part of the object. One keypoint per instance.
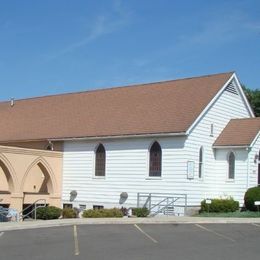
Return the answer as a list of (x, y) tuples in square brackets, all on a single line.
[(22, 216), (168, 198), (165, 207)]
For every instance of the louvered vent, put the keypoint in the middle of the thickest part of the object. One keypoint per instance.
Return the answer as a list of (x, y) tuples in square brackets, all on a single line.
[(232, 88)]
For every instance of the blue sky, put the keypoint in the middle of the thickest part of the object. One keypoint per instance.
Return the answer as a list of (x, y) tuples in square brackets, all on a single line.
[(57, 46)]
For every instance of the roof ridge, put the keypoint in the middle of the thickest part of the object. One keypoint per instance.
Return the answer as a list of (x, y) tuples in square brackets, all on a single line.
[(118, 87)]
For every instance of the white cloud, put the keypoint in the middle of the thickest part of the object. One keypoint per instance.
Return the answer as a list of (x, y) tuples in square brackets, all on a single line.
[(219, 29), (104, 24)]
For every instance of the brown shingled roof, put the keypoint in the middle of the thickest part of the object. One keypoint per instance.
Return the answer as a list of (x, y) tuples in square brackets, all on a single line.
[(164, 107), (239, 132)]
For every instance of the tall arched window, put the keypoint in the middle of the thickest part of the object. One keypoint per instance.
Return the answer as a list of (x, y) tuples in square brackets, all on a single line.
[(231, 165), (100, 166), (201, 162), (155, 160)]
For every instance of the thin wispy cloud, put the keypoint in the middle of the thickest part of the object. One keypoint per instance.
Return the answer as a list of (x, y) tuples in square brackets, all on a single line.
[(103, 24), (215, 31), (228, 27)]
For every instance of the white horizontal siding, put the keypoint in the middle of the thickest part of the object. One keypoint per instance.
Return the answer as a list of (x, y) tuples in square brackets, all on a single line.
[(213, 183), (127, 164), (235, 188), (126, 170), (253, 165)]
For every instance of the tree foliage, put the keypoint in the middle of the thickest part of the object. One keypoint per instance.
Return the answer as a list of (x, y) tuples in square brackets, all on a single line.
[(253, 97)]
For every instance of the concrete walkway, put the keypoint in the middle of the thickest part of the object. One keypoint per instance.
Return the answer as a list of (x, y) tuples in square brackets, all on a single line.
[(6, 226)]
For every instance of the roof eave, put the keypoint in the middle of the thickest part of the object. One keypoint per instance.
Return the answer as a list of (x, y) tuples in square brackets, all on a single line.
[(119, 136), (209, 104), (233, 76), (254, 140), (230, 146)]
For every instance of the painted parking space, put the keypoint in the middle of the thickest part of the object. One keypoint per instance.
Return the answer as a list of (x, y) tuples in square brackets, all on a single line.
[(142, 241)]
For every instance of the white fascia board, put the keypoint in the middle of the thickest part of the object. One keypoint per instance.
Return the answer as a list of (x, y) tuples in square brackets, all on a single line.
[(210, 104), (230, 146), (241, 92), (253, 142), (243, 95), (118, 137)]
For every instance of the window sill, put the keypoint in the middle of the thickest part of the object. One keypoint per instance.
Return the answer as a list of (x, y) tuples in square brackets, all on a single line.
[(153, 178), (99, 177), (230, 180)]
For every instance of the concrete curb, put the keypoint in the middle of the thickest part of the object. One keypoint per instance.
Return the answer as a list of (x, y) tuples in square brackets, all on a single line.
[(8, 226)]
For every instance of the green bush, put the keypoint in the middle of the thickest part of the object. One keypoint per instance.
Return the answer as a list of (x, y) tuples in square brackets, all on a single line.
[(140, 212), (252, 195), (69, 213), (102, 213), (220, 205), (49, 212)]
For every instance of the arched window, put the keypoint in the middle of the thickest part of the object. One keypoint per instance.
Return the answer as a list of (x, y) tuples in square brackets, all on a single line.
[(155, 160), (231, 165), (201, 162), (100, 166)]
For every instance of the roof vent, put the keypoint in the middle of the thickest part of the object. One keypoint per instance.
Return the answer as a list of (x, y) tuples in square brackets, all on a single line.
[(12, 102), (231, 87)]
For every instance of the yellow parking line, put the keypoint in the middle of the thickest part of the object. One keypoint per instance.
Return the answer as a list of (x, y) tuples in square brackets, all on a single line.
[(216, 233), (148, 236), (76, 242)]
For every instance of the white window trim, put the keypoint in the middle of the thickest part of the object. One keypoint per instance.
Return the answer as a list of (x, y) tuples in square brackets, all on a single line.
[(230, 180), (94, 164), (211, 130), (203, 162), (148, 177)]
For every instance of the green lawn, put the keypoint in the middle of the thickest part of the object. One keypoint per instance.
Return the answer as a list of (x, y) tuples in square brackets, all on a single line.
[(237, 214)]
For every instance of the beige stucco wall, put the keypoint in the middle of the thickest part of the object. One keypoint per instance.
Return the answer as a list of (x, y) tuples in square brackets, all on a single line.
[(28, 168), (3, 181)]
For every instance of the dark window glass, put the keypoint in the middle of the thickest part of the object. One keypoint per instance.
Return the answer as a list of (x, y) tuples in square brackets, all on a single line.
[(155, 160), (67, 205), (97, 207), (231, 166), (200, 162), (100, 161)]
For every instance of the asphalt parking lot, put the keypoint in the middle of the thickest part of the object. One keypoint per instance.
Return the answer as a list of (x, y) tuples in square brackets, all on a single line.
[(142, 241)]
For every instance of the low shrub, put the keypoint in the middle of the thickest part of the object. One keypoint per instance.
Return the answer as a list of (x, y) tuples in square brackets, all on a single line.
[(140, 212), (124, 211), (220, 205), (49, 212), (69, 213), (102, 213), (252, 195)]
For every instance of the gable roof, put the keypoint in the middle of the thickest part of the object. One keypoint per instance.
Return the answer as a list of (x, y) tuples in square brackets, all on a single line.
[(156, 108), (239, 132)]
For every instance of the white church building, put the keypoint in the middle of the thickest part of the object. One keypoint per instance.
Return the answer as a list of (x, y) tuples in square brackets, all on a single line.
[(161, 145)]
